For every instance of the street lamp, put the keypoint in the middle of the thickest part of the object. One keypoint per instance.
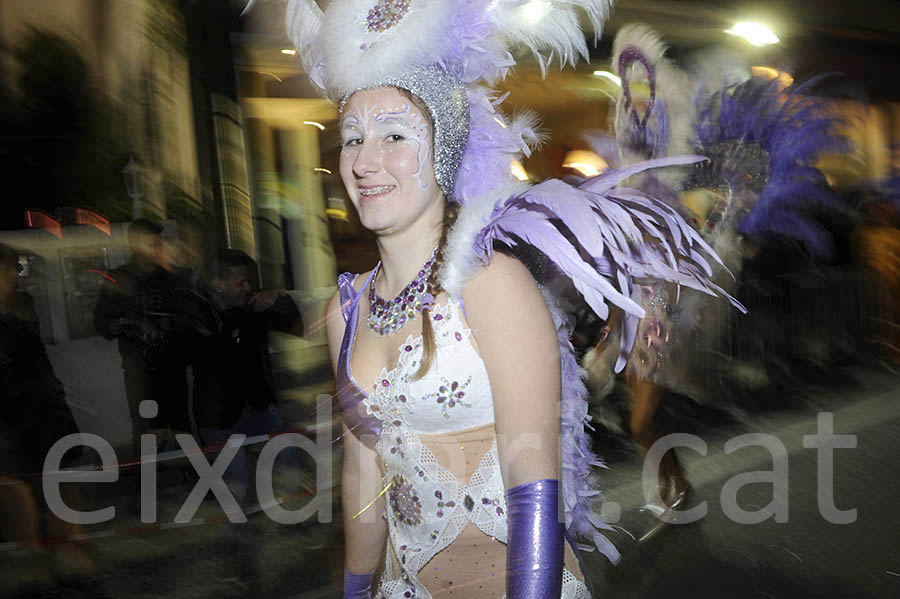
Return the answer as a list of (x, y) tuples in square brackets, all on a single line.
[(132, 173)]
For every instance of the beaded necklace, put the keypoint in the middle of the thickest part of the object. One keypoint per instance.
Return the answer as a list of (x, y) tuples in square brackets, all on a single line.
[(386, 317)]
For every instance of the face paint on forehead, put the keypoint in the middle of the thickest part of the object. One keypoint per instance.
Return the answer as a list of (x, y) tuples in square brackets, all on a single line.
[(421, 136), (364, 116), (368, 115), (387, 114)]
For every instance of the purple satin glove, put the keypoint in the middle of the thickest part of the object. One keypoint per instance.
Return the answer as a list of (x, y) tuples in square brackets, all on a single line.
[(534, 560), (358, 586)]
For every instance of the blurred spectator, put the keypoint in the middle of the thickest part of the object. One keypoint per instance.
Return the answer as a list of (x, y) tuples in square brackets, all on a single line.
[(233, 387), (33, 416), (233, 390), (878, 246), (136, 306)]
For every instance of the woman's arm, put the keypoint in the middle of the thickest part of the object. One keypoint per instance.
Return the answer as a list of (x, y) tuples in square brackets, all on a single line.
[(365, 529), (518, 342), (361, 478)]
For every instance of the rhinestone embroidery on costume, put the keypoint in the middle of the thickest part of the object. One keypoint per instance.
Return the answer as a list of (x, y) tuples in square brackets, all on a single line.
[(388, 316), (441, 504), (488, 502), (385, 14), (405, 501), (449, 394)]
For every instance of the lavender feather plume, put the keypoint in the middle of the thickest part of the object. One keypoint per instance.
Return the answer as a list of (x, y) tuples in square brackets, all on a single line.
[(767, 140), (493, 142), (604, 238)]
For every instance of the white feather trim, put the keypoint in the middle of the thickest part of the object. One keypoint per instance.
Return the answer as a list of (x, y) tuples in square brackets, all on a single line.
[(357, 58), (460, 261), (303, 21), (547, 28)]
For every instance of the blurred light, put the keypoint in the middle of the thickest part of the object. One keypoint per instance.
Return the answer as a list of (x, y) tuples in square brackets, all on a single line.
[(102, 274), (784, 79), (272, 75), (289, 51), (500, 122), (755, 33), (609, 76), (315, 124), (35, 219), (319, 169), (518, 171), (585, 162), (535, 10), (337, 208)]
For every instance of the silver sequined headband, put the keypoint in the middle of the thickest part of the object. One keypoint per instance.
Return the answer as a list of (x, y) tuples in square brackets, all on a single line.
[(445, 98)]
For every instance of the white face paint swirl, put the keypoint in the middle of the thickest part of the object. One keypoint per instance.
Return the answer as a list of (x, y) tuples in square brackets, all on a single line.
[(386, 159)]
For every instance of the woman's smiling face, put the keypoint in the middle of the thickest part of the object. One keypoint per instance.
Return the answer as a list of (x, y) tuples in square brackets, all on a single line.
[(387, 160)]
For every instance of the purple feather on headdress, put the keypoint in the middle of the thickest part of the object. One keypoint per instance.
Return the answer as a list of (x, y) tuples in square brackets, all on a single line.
[(761, 137), (493, 143), (473, 46)]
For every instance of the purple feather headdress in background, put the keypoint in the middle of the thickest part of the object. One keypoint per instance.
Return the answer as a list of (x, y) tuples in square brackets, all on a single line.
[(763, 143), (654, 116)]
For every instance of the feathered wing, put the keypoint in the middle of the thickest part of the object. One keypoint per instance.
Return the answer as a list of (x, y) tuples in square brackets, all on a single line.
[(605, 241)]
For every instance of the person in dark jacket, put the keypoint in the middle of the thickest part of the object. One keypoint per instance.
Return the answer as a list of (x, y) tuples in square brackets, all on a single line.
[(135, 307), (233, 386), (34, 415)]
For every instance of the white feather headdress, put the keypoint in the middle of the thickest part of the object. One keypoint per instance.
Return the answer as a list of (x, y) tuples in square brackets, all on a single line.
[(359, 44), (355, 44)]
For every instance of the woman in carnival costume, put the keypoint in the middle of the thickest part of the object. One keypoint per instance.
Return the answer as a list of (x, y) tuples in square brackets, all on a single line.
[(762, 139), (466, 463)]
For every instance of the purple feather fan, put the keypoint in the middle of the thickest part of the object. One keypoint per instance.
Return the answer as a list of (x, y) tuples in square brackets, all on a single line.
[(766, 140)]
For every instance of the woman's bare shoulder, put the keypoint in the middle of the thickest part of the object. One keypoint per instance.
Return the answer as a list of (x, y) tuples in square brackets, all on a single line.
[(505, 277), (505, 292)]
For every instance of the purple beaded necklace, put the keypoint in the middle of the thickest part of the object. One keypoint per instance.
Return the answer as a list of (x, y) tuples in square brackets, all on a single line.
[(386, 317)]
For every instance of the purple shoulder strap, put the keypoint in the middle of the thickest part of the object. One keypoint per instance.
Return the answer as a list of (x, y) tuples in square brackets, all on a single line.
[(348, 293), (349, 396)]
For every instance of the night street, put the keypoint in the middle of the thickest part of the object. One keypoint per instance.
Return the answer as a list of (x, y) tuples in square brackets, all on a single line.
[(715, 557)]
